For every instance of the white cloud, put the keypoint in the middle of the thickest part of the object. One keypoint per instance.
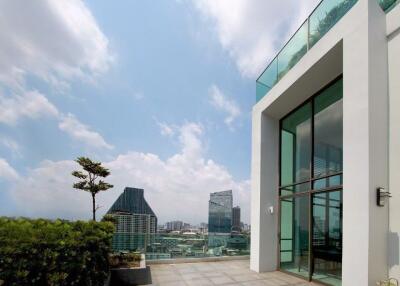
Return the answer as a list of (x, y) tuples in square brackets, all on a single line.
[(30, 104), (11, 144), (252, 31), (223, 103), (176, 188), (53, 40), (57, 42), (34, 105), (6, 171), (166, 129), (77, 130)]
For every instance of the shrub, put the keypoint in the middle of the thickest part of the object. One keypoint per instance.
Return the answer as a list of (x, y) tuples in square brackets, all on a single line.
[(44, 252), (125, 260)]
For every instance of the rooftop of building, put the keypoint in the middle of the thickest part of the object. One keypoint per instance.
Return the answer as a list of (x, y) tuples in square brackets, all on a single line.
[(131, 201)]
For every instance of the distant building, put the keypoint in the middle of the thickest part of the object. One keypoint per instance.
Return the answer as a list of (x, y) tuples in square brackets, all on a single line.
[(236, 219), (174, 225), (136, 222), (219, 218), (220, 212)]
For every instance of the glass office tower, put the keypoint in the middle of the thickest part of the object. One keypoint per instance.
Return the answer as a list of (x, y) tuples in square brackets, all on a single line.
[(220, 212), (311, 147), (236, 219)]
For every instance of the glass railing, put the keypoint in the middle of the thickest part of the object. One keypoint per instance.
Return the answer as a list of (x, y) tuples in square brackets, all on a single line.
[(387, 5), (187, 245), (322, 19)]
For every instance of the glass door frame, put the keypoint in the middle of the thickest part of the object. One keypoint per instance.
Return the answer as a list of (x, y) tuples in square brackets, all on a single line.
[(310, 181)]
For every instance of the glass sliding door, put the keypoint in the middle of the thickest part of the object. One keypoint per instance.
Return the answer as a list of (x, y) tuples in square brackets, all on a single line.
[(295, 235), (311, 166), (327, 237)]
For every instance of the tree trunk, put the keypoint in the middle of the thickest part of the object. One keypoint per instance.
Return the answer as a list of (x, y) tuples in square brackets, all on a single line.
[(94, 206)]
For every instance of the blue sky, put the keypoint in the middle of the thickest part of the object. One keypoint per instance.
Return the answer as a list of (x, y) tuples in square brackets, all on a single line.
[(161, 93)]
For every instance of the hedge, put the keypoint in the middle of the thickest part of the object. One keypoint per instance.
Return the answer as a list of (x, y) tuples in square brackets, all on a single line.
[(44, 252)]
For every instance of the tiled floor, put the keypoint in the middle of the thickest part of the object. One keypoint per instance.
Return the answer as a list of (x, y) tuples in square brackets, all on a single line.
[(234, 272)]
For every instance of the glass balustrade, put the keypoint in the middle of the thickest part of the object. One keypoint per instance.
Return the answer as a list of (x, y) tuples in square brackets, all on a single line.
[(183, 245), (322, 19)]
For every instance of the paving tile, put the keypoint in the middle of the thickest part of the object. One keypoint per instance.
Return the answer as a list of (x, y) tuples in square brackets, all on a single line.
[(212, 274), (199, 282), (244, 278), (167, 278), (172, 283), (254, 283), (221, 280), (191, 276)]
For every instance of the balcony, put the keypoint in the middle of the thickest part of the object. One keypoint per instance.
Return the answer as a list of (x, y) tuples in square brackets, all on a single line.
[(234, 272), (321, 20)]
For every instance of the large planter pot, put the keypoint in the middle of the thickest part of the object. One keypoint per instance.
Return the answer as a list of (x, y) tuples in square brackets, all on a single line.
[(131, 276)]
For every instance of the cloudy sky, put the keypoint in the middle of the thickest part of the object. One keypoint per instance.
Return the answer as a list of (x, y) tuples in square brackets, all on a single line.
[(160, 91)]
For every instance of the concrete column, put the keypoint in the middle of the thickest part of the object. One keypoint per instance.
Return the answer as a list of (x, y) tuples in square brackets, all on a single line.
[(365, 147), (264, 226)]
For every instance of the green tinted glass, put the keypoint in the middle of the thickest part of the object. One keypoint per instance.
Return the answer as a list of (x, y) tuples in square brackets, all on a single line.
[(328, 131), (296, 146), (294, 243)]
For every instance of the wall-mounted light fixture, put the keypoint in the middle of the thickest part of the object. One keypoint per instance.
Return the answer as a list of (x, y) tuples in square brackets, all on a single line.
[(381, 195)]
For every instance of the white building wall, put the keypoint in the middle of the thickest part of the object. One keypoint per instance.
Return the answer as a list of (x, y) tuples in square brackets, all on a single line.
[(393, 32), (361, 37), (365, 143)]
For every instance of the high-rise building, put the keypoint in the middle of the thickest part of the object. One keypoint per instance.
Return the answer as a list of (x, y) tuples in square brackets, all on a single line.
[(136, 221), (174, 225), (220, 212), (325, 148), (236, 219)]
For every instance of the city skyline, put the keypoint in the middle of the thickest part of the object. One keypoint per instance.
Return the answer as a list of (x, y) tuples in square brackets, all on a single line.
[(95, 95)]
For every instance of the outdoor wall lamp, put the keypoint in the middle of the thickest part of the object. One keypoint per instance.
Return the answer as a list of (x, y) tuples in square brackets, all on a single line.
[(381, 195), (270, 210)]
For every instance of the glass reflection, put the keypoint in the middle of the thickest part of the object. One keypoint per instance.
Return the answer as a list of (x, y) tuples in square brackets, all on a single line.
[(328, 131), (296, 146)]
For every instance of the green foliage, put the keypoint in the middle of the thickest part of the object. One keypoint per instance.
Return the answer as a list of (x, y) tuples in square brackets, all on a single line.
[(131, 259), (88, 181), (44, 252), (94, 170)]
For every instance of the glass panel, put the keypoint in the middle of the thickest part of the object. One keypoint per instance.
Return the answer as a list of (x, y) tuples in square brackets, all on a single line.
[(261, 90), (296, 146), (327, 14), (387, 4), (294, 235), (293, 51), (328, 131), (290, 190), (328, 182), (186, 244), (267, 79), (327, 237)]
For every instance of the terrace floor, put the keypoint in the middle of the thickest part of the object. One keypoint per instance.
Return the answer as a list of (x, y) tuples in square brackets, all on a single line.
[(235, 272)]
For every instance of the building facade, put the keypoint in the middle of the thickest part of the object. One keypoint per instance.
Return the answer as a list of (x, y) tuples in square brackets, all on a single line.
[(236, 225), (325, 144), (136, 223), (219, 218), (220, 212)]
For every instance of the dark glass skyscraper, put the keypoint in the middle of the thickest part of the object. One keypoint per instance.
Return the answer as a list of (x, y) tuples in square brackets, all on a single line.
[(220, 212), (136, 221), (236, 219)]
